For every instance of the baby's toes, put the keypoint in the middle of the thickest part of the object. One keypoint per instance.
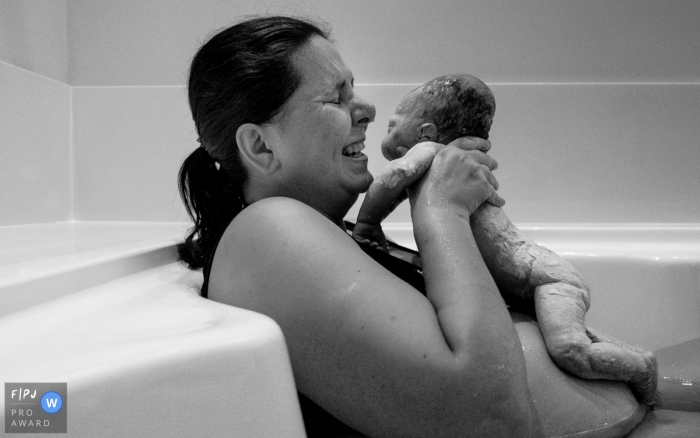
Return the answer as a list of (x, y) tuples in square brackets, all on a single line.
[(644, 389)]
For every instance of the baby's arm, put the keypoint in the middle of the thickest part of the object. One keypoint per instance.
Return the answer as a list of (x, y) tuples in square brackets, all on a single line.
[(521, 267), (389, 189)]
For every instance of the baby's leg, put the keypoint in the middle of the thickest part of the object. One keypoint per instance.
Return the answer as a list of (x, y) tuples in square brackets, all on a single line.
[(591, 355)]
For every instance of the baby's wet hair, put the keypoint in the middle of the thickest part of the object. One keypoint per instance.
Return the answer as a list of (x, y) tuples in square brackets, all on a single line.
[(459, 105)]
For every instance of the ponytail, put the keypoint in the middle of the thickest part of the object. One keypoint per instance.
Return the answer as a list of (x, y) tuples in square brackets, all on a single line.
[(212, 200)]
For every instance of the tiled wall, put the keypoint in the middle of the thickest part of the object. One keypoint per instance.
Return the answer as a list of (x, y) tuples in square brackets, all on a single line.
[(150, 42), (129, 143), (598, 102), (598, 116), (35, 155), (567, 152), (35, 164), (33, 36), (585, 153)]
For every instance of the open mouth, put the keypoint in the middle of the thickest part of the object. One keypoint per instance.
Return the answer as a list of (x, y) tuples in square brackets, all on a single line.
[(354, 150)]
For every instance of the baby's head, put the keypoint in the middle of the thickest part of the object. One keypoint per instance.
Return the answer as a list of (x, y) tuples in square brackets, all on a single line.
[(441, 110)]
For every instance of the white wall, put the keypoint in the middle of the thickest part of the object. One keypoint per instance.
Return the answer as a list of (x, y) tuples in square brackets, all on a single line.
[(150, 42), (598, 102), (598, 115), (586, 152), (35, 155), (33, 36)]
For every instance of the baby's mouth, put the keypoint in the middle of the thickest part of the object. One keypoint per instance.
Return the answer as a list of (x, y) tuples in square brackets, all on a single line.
[(354, 150)]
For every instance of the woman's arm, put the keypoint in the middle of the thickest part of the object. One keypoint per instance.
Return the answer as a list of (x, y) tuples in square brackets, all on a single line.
[(364, 345), (459, 284)]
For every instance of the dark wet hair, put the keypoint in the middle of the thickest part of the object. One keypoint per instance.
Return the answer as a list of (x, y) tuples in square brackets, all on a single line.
[(459, 105), (243, 74)]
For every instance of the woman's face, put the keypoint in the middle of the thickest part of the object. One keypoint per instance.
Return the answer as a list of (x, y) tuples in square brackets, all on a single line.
[(321, 131)]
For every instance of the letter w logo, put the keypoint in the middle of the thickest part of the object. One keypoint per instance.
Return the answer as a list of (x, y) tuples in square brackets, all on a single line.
[(51, 402)]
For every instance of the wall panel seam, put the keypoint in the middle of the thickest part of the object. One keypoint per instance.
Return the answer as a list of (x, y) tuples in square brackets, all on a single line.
[(539, 83), (389, 84), (71, 152), (33, 73)]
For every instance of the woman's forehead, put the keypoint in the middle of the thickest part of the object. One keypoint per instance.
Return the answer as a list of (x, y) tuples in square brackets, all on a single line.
[(320, 65)]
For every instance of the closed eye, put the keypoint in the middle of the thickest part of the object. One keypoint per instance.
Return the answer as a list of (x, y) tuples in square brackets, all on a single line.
[(344, 92)]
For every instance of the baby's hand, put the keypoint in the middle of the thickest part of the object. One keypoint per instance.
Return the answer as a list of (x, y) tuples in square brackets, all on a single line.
[(389, 187), (370, 234), (401, 151)]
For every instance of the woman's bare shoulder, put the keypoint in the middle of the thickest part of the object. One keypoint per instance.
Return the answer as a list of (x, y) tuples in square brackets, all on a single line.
[(274, 222), (273, 243)]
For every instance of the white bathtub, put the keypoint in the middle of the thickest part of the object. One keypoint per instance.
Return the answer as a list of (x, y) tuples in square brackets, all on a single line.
[(645, 279), (106, 309)]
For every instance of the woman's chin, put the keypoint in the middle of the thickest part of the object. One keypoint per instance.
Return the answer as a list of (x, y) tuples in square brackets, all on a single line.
[(358, 172), (367, 179), (363, 182)]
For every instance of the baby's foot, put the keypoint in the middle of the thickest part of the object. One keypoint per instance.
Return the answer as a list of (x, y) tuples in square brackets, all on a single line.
[(645, 389), (370, 234)]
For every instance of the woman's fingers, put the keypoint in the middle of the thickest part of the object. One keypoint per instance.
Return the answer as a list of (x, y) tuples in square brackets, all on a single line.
[(482, 158), (463, 177), (487, 165), (471, 144), (496, 200), (491, 178)]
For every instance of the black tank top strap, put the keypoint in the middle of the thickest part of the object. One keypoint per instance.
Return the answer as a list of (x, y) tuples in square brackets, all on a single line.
[(206, 270), (399, 260)]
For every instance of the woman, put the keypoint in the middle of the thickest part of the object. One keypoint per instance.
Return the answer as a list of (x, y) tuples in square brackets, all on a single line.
[(279, 166)]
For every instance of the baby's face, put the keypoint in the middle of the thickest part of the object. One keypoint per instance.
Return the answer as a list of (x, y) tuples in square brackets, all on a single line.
[(403, 132), (401, 135)]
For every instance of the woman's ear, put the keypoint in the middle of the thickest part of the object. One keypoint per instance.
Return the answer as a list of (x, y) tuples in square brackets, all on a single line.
[(427, 132), (251, 143)]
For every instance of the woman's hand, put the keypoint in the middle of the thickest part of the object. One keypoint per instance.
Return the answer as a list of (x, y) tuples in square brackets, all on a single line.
[(471, 144), (464, 143), (389, 187), (459, 178)]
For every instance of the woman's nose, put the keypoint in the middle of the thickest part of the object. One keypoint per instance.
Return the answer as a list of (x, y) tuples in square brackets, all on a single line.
[(363, 112)]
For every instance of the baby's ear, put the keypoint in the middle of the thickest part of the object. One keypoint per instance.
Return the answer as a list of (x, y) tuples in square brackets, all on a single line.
[(427, 132)]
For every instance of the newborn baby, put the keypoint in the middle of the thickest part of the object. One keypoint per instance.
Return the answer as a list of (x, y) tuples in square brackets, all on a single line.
[(454, 106)]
